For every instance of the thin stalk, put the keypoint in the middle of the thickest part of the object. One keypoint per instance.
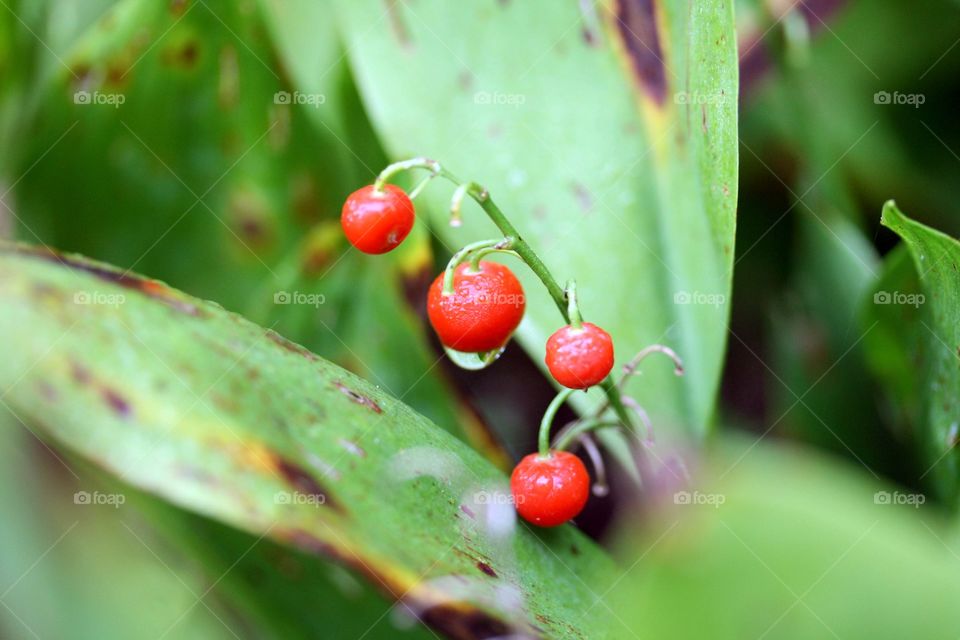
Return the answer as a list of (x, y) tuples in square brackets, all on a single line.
[(522, 249), (566, 439), (547, 421)]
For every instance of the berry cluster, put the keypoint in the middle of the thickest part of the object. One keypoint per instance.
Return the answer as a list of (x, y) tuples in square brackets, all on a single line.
[(475, 305)]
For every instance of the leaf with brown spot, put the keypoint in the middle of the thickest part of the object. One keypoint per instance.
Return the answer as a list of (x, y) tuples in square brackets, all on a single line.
[(644, 221), (265, 464)]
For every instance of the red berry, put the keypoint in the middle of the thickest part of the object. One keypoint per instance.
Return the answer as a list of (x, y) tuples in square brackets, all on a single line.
[(483, 310), (579, 358), (377, 222), (550, 491)]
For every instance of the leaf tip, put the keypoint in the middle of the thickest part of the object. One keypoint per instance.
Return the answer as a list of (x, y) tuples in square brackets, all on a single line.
[(890, 214)]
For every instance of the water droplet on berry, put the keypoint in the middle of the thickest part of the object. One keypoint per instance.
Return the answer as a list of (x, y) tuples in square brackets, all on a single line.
[(474, 361)]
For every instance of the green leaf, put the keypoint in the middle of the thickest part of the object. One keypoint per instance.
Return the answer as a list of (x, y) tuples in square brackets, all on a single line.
[(615, 154), (821, 390), (199, 118), (182, 399), (893, 350), (781, 543), (936, 259), (71, 570)]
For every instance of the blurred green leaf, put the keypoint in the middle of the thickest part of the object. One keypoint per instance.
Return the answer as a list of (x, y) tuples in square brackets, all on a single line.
[(72, 571), (784, 544), (893, 348), (821, 389), (606, 133), (936, 258), (234, 194), (222, 417)]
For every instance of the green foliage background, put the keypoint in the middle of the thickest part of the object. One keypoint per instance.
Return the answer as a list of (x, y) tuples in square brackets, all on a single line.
[(819, 393)]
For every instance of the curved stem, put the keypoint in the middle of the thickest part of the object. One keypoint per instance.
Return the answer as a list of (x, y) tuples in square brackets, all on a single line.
[(566, 439), (573, 308), (631, 367), (482, 253), (547, 421), (405, 165), (462, 255), (482, 197)]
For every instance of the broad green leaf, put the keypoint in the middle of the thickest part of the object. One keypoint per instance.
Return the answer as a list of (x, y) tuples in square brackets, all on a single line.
[(263, 588), (235, 195), (70, 570), (607, 133), (785, 544), (936, 259), (182, 399)]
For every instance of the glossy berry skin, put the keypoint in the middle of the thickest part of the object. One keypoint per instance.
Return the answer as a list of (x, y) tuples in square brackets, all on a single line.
[(483, 310), (377, 222), (579, 358), (549, 491)]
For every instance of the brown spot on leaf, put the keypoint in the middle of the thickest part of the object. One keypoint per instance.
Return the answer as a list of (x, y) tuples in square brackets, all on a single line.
[(637, 26), (80, 373), (184, 54), (358, 397), (487, 569), (583, 196), (47, 391), (397, 25), (291, 346), (153, 288), (301, 481), (466, 622), (116, 402)]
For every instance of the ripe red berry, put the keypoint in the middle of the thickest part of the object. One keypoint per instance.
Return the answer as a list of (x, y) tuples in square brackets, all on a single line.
[(549, 491), (483, 310), (579, 358), (377, 222)]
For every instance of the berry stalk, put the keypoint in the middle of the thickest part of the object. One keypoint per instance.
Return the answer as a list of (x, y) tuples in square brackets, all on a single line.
[(526, 253), (546, 422)]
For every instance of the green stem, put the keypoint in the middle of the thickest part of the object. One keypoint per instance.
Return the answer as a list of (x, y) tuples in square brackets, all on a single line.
[(405, 165), (547, 421), (464, 253), (524, 250), (573, 308), (520, 246), (483, 253), (564, 442)]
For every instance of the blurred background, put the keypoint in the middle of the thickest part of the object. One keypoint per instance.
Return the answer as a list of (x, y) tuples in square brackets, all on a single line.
[(210, 144)]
